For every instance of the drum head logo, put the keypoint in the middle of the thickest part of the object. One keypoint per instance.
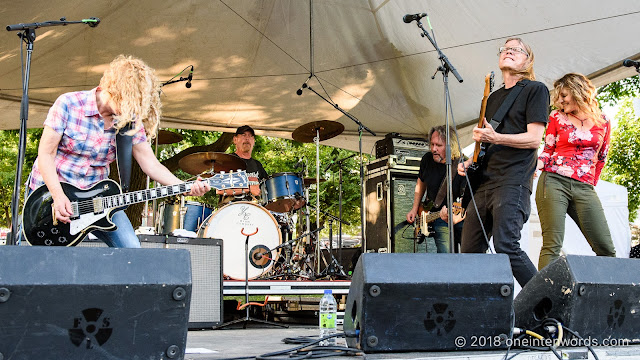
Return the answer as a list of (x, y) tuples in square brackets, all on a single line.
[(91, 329), (439, 319)]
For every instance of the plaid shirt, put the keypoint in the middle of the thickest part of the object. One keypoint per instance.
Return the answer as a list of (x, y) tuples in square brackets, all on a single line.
[(86, 149)]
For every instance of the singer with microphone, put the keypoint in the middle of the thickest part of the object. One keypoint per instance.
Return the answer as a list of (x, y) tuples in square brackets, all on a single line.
[(78, 142)]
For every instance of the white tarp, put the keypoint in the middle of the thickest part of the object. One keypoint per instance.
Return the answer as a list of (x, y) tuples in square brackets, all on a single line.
[(250, 56)]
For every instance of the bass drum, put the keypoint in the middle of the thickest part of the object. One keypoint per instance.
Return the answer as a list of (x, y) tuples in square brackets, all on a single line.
[(228, 223)]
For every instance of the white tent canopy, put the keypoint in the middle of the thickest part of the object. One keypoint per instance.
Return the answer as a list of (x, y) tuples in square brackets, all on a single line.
[(250, 56)]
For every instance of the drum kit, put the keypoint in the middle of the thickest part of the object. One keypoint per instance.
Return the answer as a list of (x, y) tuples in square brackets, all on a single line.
[(281, 209)]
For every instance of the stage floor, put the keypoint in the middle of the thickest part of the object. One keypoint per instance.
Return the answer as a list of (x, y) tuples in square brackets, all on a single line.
[(257, 340)]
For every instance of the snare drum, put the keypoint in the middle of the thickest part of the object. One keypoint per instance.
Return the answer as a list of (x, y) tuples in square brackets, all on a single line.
[(227, 224), (193, 218), (283, 192)]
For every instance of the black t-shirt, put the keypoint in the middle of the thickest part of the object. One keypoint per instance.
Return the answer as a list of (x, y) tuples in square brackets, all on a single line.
[(505, 165), (432, 174), (255, 168)]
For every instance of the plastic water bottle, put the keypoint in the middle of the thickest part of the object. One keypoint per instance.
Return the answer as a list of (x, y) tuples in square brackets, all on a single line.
[(328, 316)]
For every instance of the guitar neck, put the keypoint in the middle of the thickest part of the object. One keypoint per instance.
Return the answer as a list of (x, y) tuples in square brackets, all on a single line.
[(483, 107), (219, 181)]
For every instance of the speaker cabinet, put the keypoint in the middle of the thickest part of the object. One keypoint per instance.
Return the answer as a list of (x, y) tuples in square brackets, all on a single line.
[(206, 263), (93, 303), (425, 302), (598, 297), (389, 197)]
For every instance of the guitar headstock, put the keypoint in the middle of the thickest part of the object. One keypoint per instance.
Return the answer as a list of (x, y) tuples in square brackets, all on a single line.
[(231, 180), (489, 82)]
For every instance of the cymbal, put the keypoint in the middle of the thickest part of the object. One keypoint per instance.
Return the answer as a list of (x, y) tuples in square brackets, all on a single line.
[(328, 129), (309, 181), (200, 162), (168, 137)]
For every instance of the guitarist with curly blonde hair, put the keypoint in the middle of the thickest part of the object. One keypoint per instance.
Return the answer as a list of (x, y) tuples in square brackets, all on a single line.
[(79, 140)]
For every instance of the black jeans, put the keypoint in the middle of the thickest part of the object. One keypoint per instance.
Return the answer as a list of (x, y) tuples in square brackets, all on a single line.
[(503, 211)]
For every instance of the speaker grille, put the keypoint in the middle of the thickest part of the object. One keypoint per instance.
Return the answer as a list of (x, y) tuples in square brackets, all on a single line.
[(206, 274)]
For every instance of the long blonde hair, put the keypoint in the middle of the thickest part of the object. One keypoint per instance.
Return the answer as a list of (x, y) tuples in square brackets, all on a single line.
[(583, 93), (453, 139), (527, 72), (135, 89)]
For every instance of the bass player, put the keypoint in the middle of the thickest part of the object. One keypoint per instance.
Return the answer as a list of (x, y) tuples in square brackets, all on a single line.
[(432, 180)]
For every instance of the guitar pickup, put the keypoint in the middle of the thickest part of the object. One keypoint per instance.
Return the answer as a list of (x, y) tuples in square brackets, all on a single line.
[(98, 207), (76, 211)]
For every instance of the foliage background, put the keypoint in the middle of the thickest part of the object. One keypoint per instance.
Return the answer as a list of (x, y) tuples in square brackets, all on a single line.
[(281, 155)]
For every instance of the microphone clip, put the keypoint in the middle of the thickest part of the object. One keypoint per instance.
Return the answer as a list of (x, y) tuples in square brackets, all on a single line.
[(304, 85)]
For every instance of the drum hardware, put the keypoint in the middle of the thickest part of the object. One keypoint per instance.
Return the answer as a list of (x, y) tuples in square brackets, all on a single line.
[(248, 256), (310, 181), (286, 270), (163, 137), (317, 131), (340, 163), (200, 162), (167, 137), (333, 268)]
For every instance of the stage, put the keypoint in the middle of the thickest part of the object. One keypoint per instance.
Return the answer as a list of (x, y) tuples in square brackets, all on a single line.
[(257, 340)]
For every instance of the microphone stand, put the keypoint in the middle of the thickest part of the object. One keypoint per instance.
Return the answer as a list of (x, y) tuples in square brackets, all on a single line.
[(360, 128), (445, 67), (28, 35)]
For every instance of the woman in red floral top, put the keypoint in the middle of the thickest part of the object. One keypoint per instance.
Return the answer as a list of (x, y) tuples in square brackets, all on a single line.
[(575, 149)]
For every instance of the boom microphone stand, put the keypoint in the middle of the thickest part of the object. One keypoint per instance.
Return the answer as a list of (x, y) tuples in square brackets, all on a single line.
[(28, 35), (445, 67), (360, 128)]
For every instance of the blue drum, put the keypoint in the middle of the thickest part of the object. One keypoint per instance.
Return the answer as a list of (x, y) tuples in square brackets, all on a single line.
[(195, 215), (282, 192)]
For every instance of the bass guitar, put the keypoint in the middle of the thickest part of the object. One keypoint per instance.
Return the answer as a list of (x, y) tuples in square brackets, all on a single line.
[(425, 227), (93, 207), (474, 172)]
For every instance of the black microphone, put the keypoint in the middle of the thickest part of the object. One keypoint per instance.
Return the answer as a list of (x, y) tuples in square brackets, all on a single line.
[(304, 85), (410, 17), (189, 78), (299, 163), (336, 154), (630, 63)]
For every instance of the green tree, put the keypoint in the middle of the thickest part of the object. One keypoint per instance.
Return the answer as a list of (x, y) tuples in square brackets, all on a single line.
[(8, 159), (612, 93), (623, 164)]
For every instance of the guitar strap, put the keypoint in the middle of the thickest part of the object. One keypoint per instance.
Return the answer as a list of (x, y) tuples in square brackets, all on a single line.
[(497, 118), (442, 191), (124, 154)]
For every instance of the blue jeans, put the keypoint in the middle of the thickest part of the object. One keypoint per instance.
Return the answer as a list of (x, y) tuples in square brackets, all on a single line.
[(503, 211), (123, 237), (441, 235)]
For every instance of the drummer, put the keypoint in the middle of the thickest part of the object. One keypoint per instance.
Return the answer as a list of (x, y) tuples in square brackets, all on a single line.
[(244, 140)]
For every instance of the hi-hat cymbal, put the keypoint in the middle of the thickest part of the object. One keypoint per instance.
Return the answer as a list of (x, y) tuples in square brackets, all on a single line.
[(327, 129), (200, 162), (168, 137), (309, 181)]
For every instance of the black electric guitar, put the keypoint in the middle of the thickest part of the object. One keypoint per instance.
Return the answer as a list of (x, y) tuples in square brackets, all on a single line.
[(474, 171), (93, 207)]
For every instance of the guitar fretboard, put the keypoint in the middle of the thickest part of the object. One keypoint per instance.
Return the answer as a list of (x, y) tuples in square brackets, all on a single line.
[(100, 203)]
